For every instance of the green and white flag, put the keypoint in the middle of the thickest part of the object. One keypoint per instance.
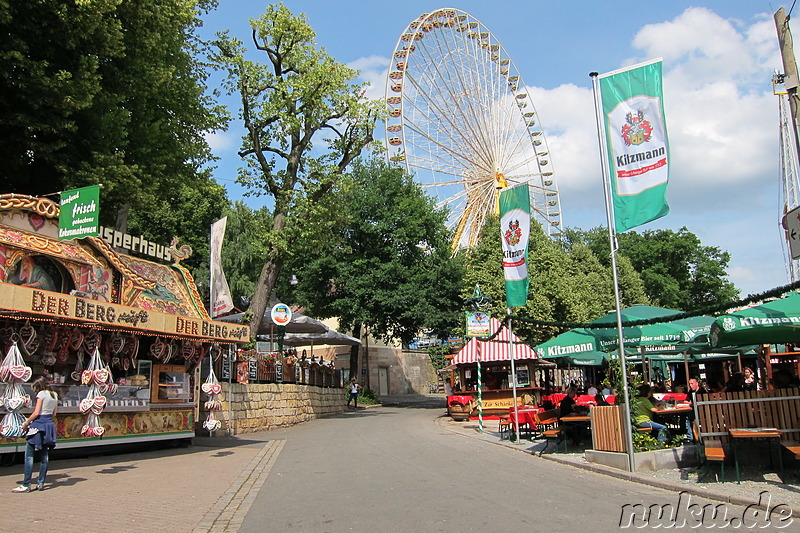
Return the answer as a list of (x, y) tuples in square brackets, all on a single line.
[(515, 229), (636, 136)]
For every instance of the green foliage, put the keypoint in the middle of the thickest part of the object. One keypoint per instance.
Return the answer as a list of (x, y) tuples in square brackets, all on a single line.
[(678, 272), (645, 442), (367, 396), (438, 355), (565, 284), (305, 120), (106, 92), (386, 263)]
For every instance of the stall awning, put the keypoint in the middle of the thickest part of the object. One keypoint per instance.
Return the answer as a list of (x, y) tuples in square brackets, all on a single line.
[(498, 349)]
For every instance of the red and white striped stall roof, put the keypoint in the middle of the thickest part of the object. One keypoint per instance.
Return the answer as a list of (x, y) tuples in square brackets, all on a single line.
[(498, 349)]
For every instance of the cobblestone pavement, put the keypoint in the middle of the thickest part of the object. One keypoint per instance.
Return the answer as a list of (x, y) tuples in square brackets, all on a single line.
[(196, 488), (701, 481)]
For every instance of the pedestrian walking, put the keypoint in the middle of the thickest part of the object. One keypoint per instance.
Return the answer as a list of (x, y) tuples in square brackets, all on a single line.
[(41, 435), (354, 388)]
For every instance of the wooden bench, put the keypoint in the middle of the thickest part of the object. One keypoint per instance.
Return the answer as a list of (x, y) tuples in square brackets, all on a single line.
[(556, 434), (714, 451), (504, 427), (718, 413)]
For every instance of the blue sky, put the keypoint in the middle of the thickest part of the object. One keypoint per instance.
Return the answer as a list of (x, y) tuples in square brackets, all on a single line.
[(722, 116)]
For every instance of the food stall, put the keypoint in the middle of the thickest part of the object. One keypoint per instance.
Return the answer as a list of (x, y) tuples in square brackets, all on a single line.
[(120, 337), (496, 381)]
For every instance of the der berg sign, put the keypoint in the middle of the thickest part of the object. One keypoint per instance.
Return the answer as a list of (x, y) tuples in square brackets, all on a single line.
[(57, 305)]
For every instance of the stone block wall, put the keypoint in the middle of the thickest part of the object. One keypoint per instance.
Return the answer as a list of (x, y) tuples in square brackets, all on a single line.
[(259, 407)]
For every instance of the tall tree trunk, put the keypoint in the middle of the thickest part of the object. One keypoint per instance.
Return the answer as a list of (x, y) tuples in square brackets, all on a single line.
[(354, 370), (267, 279)]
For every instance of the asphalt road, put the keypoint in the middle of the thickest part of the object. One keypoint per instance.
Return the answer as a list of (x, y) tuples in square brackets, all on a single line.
[(396, 469)]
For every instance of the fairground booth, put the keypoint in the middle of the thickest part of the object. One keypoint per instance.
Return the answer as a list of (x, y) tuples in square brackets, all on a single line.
[(484, 367), (120, 337)]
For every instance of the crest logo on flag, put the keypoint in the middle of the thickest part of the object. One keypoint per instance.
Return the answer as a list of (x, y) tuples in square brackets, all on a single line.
[(514, 233), (636, 130)]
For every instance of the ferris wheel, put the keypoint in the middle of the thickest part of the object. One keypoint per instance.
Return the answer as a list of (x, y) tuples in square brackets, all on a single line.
[(463, 123)]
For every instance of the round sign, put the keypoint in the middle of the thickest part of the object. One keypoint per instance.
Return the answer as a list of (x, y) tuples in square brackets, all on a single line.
[(281, 314)]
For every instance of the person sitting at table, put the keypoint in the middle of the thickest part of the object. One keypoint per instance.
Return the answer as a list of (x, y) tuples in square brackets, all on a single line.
[(600, 399), (592, 390), (660, 388), (642, 413), (567, 405), (750, 381)]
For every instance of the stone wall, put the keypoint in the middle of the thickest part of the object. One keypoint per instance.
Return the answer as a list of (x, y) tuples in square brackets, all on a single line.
[(258, 407)]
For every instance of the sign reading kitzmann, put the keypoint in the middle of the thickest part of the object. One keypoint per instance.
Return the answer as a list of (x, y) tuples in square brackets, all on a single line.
[(27, 300)]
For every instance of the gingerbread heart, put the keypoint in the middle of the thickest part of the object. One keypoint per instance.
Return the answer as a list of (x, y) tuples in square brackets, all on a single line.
[(97, 410), (76, 339), (117, 343), (112, 388), (49, 360), (86, 377), (21, 372), (126, 364), (87, 431), (85, 405), (216, 388), (101, 376), (158, 348), (13, 403), (76, 376), (102, 388), (92, 341), (206, 387), (100, 401), (99, 430)]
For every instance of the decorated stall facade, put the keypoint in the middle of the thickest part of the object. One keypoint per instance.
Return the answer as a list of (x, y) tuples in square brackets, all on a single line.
[(495, 373), (120, 337)]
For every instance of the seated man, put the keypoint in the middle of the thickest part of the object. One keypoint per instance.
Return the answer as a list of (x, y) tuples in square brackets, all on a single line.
[(567, 405), (642, 413)]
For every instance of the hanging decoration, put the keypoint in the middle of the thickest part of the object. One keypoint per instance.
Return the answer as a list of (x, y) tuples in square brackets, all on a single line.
[(14, 372), (100, 381), (212, 388)]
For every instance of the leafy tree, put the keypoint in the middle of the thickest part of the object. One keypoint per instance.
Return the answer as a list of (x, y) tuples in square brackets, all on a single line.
[(677, 270), (243, 249), (305, 120), (565, 285), (388, 265), (112, 92), (106, 92)]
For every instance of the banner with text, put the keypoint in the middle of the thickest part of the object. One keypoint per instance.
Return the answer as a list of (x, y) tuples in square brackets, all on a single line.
[(515, 228), (80, 213), (636, 137), (221, 301)]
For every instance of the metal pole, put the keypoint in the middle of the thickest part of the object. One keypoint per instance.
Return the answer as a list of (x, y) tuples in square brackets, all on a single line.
[(513, 370), (480, 391), (230, 391), (626, 419)]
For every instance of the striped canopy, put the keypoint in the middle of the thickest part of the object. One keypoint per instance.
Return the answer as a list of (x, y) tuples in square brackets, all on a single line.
[(498, 349)]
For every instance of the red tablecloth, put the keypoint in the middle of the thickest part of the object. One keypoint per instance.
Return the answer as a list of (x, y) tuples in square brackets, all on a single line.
[(585, 399), (524, 416), (459, 399), (555, 398), (677, 396)]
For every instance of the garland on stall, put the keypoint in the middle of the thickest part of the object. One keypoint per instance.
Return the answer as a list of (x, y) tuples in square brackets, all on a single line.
[(708, 310)]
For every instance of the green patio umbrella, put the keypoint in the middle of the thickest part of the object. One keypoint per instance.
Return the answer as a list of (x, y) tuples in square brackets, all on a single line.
[(574, 347), (775, 322), (656, 334)]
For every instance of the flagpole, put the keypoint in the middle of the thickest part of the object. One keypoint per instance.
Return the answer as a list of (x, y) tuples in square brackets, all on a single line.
[(480, 391), (513, 370), (612, 238), (211, 271)]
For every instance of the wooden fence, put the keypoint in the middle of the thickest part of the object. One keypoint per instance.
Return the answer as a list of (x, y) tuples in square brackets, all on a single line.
[(780, 408), (607, 428)]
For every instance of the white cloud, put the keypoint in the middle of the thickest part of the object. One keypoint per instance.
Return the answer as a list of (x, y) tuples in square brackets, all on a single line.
[(722, 119), (373, 70), (221, 141)]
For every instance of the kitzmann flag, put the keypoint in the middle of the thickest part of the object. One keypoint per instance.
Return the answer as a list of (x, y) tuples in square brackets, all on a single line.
[(515, 228), (636, 136)]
